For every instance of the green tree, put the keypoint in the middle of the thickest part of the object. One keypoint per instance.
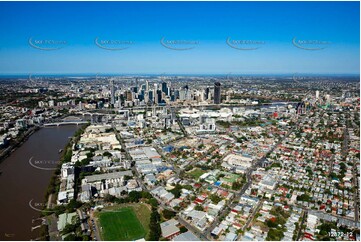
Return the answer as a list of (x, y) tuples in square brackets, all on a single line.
[(167, 214), (236, 185), (134, 196), (214, 198), (198, 207), (154, 226), (107, 154)]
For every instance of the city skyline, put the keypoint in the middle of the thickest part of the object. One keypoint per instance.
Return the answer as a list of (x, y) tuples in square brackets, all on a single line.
[(232, 151)]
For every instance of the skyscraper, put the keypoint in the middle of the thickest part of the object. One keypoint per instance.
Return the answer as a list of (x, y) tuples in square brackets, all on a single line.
[(158, 98), (134, 89), (182, 94), (151, 96), (129, 95), (206, 93), (169, 87), (176, 94), (147, 85), (164, 88), (136, 82), (112, 92), (217, 93)]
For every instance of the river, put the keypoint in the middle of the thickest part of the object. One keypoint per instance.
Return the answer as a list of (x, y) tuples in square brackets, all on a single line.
[(25, 177)]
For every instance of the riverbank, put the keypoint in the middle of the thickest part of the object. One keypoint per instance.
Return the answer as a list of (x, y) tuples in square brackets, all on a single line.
[(66, 155), (25, 178), (18, 142), (54, 184), (53, 187)]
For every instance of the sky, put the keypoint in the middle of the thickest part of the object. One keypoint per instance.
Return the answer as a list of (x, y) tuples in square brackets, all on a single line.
[(213, 37)]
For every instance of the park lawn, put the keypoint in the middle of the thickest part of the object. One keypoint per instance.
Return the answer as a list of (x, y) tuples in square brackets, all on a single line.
[(196, 173), (143, 214), (125, 223)]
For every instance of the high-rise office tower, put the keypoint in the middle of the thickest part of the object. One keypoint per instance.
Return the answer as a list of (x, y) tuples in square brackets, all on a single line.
[(169, 88), (164, 88), (206, 93), (328, 98), (182, 94), (217, 93), (151, 96), (134, 89), (146, 97), (129, 95), (112, 92), (147, 85), (158, 98), (136, 82), (176, 94)]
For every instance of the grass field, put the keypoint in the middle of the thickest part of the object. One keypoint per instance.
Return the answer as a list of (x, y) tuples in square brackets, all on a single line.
[(128, 222), (196, 173)]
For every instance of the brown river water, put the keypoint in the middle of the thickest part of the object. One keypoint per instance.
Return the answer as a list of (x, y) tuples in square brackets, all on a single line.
[(24, 179)]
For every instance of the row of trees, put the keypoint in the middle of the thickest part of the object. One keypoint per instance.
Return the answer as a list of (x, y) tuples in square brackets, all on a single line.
[(69, 208), (154, 225), (133, 197)]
